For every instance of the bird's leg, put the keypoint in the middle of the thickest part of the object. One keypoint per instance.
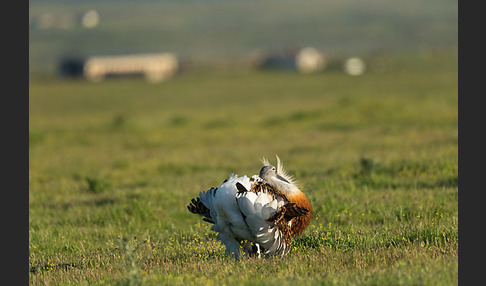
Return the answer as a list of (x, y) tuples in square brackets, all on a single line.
[(258, 250)]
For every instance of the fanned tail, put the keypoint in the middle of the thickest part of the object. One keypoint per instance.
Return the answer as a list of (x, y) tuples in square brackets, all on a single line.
[(197, 207)]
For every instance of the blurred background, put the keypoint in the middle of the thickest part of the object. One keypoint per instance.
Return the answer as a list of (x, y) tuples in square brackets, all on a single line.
[(64, 35), (163, 85)]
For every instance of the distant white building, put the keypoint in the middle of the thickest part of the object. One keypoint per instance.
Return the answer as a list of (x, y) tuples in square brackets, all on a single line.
[(309, 60), (155, 67), (354, 66), (67, 20), (306, 60), (90, 19)]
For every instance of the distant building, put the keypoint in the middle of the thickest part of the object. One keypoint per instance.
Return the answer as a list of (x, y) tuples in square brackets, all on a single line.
[(66, 20), (90, 19), (310, 60), (354, 66), (72, 67), (305, 60), (154, 67)]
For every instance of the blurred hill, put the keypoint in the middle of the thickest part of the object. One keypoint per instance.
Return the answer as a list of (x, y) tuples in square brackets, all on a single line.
[(222, 29)]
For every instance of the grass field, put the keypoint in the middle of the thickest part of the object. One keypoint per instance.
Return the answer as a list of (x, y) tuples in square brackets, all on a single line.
[(112, 166)]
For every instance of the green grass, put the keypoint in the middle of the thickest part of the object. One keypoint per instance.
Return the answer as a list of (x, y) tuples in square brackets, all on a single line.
[(112, 166)]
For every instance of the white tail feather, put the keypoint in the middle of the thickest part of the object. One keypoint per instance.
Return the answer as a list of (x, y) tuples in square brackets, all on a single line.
[(264, 206)]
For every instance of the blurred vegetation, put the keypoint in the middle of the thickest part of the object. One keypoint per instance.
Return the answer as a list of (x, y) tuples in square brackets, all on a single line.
[(237, 30), (112, 166)]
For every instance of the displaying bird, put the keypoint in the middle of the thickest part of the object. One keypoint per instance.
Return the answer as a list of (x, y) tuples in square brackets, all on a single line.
[(258, 215)]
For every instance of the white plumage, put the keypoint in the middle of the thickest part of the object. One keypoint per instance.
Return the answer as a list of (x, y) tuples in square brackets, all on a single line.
[(255, 216)]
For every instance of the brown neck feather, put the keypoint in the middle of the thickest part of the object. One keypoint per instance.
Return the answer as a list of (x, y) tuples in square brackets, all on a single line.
[(300, 223)]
